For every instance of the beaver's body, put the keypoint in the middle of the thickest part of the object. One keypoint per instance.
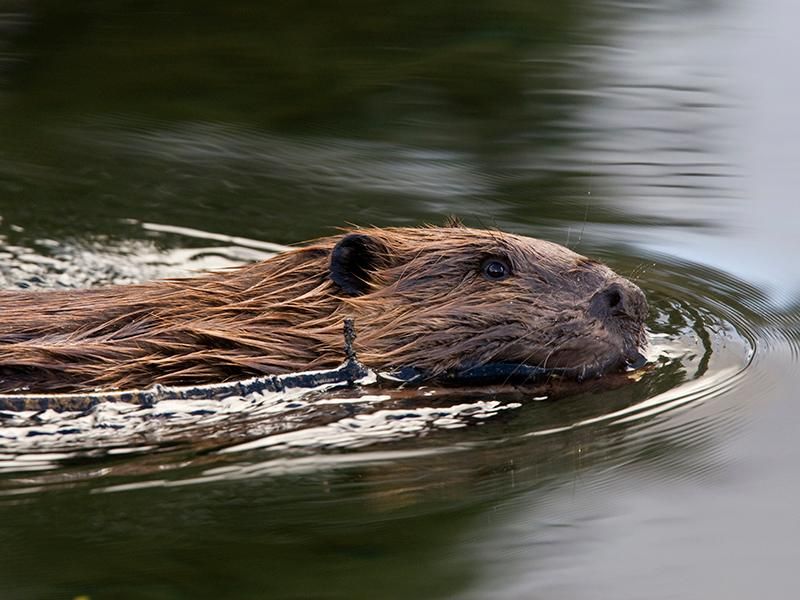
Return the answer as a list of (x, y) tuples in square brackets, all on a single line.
[(432, 298)]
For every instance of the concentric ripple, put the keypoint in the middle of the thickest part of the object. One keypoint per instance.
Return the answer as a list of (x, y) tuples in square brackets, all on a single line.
[(704, 343)]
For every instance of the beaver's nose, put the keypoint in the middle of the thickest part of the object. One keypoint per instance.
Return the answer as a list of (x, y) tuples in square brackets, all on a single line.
[(619, 299)]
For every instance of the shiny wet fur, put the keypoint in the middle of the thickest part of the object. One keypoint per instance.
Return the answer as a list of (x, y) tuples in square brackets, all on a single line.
[(433, 298)]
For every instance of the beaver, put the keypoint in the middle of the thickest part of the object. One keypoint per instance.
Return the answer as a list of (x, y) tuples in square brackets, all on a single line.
[(432, 298)]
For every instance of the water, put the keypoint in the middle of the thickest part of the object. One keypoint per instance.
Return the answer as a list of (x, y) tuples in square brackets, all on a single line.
[(141, 140)]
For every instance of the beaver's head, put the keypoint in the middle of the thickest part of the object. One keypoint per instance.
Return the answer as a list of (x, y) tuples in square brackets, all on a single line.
[(443, 299)]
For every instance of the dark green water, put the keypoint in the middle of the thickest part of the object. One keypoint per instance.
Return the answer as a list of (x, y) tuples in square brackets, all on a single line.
[(146, 139)]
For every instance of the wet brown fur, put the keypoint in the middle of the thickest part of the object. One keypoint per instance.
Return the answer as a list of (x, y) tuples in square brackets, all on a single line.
[(425, 304)]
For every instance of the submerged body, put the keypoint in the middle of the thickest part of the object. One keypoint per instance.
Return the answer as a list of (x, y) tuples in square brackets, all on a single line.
[(433, 298)]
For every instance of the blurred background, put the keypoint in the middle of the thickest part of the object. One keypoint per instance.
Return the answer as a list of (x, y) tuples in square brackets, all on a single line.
[(142, 139)]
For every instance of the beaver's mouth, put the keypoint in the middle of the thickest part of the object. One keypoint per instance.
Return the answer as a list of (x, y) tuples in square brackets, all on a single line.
[(521, 373), (517, 373)]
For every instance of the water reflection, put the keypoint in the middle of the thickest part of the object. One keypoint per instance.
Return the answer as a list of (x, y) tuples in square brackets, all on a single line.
[(659, 137), (80, 263)]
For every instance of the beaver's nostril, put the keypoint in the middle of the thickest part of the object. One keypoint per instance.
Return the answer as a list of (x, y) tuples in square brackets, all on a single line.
[(617, 300)]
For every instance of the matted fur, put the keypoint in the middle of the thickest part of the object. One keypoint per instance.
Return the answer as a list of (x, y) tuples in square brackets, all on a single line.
[(426, 304)]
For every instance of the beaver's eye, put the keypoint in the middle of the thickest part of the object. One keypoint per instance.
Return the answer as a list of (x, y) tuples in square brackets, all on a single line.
[(495, 269)]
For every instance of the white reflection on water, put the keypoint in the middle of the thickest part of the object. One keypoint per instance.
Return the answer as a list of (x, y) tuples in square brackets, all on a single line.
[(708, 99), (55, 264), (381, 425)]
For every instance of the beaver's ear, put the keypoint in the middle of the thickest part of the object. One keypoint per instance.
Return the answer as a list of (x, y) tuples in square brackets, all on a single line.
[(353, 261)]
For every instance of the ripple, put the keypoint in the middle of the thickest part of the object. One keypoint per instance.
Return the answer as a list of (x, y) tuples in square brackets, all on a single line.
[(98, 261), (707, 332)]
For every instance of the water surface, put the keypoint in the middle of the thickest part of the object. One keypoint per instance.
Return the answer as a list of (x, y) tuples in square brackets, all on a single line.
[(141, 140)]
